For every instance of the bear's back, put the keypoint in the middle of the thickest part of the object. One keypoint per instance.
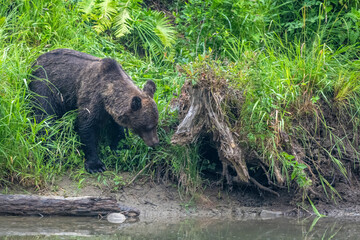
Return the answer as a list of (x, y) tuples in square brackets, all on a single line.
[(64, 67), (68, 54), (66, 70)]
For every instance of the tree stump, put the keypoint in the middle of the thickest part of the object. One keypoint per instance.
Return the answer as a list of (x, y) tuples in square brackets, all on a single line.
[(201, 111)]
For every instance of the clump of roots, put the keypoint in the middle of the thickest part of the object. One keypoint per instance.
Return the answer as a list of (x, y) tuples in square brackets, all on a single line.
[(211, 107), (301, 149)]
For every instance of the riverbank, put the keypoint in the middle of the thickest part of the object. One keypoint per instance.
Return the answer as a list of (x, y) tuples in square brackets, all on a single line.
[(159, 201)]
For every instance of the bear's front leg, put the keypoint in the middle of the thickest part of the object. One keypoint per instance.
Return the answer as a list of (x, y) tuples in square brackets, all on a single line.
[(88, 135), (115, 133)]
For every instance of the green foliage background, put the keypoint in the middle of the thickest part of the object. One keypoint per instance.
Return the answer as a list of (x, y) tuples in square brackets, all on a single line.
[(287, 57)]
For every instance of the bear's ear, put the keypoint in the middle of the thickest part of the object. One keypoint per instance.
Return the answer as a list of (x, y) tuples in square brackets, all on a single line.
[(135, 103), (109, 65), (150, 88)]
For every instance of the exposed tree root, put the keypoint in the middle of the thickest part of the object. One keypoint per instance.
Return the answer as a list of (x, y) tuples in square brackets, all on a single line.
[(204, 114), (204, 110), (262, 187), (315, 154)]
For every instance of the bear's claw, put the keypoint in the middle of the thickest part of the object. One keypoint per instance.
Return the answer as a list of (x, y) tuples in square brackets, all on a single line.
[(94, 167)]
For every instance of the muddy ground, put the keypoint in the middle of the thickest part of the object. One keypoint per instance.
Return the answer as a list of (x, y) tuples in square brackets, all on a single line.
[(159, 201)]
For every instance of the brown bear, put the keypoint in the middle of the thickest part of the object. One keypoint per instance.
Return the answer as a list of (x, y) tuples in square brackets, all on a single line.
[(100, 91)]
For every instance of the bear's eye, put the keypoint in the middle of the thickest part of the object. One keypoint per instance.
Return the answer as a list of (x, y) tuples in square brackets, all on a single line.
[(123, 119)]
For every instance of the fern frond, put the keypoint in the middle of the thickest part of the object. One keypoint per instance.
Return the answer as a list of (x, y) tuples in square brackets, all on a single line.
[(165, 31), (105, 12), (121, 22), (107, 9), (86, 6), (102, 25)]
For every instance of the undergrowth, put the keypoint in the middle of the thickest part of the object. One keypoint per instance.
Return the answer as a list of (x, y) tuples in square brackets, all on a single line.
[(296, 64), (295, 118), (35, 154)]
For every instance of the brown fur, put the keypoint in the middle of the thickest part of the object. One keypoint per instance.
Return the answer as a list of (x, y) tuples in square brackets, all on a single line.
[(100, 90)]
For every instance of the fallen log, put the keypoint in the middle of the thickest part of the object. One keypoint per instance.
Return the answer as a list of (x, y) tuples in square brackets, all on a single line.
[(30, 205)]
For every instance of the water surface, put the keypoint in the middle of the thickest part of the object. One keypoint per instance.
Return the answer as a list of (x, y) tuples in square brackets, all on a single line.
[(205, 228)]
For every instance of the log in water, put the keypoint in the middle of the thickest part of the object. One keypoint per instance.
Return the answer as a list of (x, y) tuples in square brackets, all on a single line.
[(52, 205)]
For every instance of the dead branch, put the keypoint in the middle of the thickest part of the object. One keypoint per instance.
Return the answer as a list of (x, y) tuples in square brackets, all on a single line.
[(263, 187)]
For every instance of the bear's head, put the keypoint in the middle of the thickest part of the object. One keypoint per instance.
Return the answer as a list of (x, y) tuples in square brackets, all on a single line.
[(127, 104), (135, 109), (143, 116)]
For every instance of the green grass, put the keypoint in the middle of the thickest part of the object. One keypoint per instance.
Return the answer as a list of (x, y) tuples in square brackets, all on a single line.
[(289, 82), (30, 28), (303, 90), (290, 75)]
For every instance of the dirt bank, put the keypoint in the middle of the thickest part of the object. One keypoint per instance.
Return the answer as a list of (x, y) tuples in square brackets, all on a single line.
[(159, 201)]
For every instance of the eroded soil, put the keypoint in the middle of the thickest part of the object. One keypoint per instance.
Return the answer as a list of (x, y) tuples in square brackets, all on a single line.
[(161, 201)]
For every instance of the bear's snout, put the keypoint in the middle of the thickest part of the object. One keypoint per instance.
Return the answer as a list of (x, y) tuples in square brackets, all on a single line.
[(153, 145), (150, 138), (153, 142), (156, 142)]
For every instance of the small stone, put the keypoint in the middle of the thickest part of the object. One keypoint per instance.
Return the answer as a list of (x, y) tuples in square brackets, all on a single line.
[(116, 217), (270, 214)]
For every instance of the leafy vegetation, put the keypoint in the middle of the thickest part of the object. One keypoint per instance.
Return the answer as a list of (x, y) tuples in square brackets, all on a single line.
[(297, 64), (29, 28), (144, 31)]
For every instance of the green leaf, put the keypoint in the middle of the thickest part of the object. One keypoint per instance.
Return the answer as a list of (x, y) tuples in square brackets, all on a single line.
[(2, 21), (107, 9), (328, 8), (121, 21), (87, 6), (314, 209), (165, 31)]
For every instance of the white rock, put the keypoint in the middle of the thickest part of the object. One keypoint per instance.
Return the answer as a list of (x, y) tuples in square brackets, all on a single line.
[(116, 217)]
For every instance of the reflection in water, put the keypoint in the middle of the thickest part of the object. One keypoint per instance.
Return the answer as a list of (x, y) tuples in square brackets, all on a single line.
[(92, 228), (53, 226)]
